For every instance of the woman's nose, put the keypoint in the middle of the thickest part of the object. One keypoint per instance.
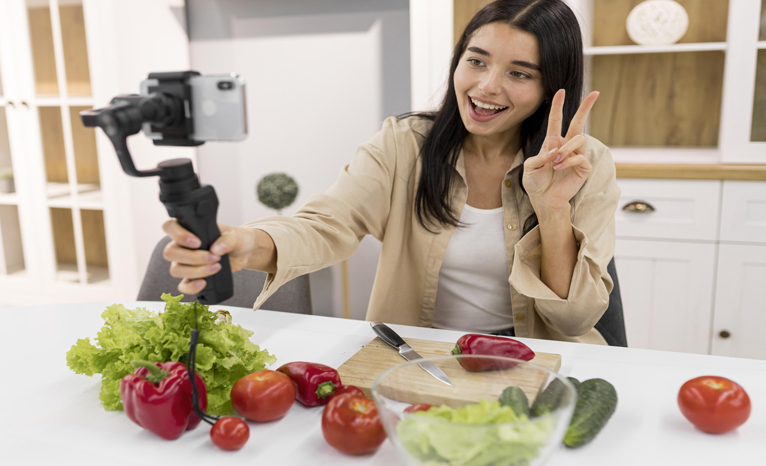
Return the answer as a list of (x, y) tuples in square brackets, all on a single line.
[(491, 84)]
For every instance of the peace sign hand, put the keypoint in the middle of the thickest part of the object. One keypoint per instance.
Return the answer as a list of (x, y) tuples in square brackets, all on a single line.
[(557, 173)]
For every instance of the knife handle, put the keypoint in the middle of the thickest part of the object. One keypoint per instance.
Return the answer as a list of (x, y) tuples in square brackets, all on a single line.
[(386, 334)]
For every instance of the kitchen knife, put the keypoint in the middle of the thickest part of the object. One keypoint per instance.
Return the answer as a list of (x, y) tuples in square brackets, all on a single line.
[(393, 339)]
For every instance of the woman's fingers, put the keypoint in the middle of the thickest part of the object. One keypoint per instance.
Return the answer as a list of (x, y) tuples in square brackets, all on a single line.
[(180, 234), (191, 286), (581, 117), (556, 115), (193, 271), (533, 163), (578, 160), (570, 147), (175, 253)]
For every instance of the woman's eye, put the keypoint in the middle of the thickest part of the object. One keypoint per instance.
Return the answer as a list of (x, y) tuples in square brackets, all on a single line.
[(519, 74), (474, 62)]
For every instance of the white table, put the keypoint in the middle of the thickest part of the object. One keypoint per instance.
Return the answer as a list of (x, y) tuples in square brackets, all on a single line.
[(53, 416)]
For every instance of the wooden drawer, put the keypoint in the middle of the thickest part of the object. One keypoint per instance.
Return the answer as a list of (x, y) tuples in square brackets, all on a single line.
[(743, 213), (679, 209)]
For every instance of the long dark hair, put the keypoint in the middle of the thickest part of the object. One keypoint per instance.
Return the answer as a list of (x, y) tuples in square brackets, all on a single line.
[(561, 63)]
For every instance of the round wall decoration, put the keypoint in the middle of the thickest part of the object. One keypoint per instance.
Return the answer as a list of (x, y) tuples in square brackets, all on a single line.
[(657, 22)]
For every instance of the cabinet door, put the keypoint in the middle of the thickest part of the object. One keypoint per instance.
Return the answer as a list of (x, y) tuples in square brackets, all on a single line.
[(667, 293), (740, 310), (743, 212)]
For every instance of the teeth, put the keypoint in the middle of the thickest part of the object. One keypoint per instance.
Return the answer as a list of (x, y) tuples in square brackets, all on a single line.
[(487, 106)]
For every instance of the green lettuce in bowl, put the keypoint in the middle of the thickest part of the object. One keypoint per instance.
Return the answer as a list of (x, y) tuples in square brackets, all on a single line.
[(469, 424), (473, 435)]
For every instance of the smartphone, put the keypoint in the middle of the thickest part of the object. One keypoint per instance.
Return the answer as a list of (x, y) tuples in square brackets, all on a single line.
[(217, 108)]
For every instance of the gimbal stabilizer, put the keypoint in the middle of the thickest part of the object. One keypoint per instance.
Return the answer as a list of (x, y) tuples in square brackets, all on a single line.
[(167, 109)]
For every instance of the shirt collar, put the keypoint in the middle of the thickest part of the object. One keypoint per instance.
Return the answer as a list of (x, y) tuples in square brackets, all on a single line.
[(460, 165)]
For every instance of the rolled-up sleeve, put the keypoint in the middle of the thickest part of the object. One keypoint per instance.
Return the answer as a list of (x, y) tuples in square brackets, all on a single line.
[(329, 227), (593, 227)]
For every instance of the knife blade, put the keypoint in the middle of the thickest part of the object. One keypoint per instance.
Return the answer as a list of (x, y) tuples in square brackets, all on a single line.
[(393, 339)]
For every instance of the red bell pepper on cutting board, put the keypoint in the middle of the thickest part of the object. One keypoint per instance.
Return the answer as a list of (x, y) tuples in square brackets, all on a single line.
[(158, 397), (475, 343), (314, 383)]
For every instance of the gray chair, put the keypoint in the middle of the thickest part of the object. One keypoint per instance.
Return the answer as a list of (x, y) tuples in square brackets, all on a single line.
[(612, 323), (294, 296)]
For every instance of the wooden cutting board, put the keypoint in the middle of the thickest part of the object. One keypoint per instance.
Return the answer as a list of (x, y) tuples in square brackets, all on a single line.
[(376, 357)]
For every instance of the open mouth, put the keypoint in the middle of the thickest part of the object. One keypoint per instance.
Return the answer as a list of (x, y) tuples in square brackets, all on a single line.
[(483, 109)]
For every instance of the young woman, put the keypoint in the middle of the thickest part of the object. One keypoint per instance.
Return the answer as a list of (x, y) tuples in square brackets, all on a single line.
[(495, 212)]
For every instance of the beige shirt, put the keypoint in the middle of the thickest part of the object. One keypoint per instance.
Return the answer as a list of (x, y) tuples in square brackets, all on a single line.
[(374, 195)]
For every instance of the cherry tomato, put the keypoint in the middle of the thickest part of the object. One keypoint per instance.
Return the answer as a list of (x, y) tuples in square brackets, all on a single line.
[(418, 407), (347, 389), (351, 424), (263, 396), (714, 404), (230, 433)]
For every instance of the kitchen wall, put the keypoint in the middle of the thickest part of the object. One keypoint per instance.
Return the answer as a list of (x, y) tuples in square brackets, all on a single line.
[(321, 77)]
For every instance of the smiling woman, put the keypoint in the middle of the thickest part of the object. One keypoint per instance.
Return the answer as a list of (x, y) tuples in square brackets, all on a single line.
[(496, 212)]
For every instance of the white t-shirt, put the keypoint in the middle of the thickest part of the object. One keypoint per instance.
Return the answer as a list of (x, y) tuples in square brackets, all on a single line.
[(473, 292)]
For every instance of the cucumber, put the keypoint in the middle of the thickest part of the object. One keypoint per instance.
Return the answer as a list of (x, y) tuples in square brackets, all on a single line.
[(596, 402), (575, 382), (515, 398), (549, 399)]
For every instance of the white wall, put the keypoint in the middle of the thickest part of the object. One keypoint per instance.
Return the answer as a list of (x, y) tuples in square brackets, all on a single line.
[(321, 77)]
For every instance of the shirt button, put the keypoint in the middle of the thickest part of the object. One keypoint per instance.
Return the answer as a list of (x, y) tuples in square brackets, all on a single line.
[(512, 226), (521, 317), (508, 183)]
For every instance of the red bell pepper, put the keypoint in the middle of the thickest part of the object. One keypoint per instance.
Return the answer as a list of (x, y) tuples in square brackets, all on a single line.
[(158, 397), (474, 343), (314, 383)]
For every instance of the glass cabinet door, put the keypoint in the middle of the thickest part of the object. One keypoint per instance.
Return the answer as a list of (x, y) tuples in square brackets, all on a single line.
[(758, 128), (70, 160), (12, 261)]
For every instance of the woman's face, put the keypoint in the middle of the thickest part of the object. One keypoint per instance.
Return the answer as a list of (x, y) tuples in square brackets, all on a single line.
[(499, 69)]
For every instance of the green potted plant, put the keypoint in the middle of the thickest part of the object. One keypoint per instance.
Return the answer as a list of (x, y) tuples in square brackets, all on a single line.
[(277, 191), (6, 180)]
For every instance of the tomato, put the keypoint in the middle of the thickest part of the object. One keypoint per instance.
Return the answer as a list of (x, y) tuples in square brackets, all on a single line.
[(263, 396), (347, 389), (230, 433), (418, 407), (714, 404), (351, 424)]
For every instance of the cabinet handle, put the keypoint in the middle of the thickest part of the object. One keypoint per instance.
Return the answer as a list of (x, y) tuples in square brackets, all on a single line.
[(638, 207), (724, 334)]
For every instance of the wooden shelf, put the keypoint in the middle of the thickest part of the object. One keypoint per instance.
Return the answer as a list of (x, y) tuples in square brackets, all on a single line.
[(8, 199), (692, 171), (673, 48), (93, 200)]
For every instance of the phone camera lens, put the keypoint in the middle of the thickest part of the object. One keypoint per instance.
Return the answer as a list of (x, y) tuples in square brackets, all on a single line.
[(225, 85)]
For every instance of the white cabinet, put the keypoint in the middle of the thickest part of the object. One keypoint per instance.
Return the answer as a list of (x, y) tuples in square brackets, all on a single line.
[(667, 293), (77, 228), (698, 289), (681, 209), (740, 308), (743, 217), (665, 259)]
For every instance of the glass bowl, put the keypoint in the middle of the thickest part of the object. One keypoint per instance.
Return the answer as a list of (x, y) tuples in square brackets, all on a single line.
[(482, 434)]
